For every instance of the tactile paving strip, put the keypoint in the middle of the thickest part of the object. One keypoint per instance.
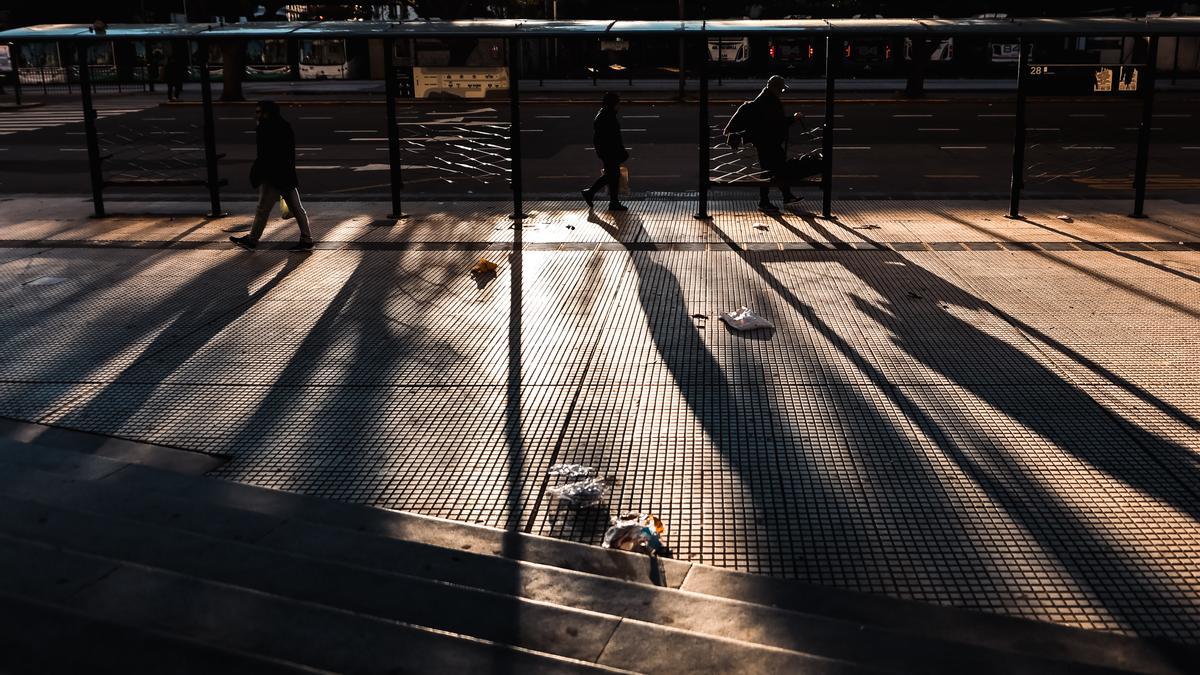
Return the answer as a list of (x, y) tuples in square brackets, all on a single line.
[(1011, 429)]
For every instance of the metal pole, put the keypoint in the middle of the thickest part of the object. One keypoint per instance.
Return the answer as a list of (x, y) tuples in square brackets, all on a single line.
[(89, 128), (703, 134), (1175, 62), (514, 113), (210, 135), (682, 55), (1018, 157), (394, 161), (1143, 150), (827, 133), (13, 52)]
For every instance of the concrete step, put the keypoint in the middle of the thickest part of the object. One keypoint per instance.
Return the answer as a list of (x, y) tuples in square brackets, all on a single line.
[(37, 637), (501, 616), (119, 449), (274, 629), (697, 613), (919, 620), (776, 613), (64, 462)]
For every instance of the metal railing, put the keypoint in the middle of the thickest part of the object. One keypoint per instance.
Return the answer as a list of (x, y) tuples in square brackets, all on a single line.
[(517, 32), (65, 79)]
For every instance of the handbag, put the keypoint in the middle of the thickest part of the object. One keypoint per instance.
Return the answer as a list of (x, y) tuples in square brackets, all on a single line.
[(284, 210)]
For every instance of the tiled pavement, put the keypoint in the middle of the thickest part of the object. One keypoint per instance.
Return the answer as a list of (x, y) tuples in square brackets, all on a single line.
[(955, 407)]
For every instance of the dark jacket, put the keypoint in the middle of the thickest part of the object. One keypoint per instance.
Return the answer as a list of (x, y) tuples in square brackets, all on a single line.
[(275, 163), (606, 137), (175, 70), (762, 121)]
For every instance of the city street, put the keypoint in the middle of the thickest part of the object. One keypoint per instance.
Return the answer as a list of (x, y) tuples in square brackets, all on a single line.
[(884, 147)]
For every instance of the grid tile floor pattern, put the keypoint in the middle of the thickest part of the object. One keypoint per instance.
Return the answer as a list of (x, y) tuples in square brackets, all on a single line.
[(1004, 429)]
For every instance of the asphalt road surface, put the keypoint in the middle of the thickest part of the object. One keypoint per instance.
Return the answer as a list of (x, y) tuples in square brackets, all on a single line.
[(883, 148)]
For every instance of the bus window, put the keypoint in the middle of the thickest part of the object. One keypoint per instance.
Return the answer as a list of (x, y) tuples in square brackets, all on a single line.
[(322, 59), (267, 60), (460, 52)]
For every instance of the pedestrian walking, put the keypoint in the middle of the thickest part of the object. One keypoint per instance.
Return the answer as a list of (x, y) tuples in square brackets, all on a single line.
[(274, 174), (176, 71), (606, 139), (153, 64), (764, 123)]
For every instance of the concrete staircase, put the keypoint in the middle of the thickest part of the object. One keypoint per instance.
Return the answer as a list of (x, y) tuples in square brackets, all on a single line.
[(121, 557)]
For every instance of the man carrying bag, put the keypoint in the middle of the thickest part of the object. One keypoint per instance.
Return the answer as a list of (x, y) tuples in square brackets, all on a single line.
[(763, 123)]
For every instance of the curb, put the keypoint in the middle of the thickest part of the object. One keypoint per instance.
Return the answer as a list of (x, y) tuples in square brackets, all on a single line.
[(7, 107)]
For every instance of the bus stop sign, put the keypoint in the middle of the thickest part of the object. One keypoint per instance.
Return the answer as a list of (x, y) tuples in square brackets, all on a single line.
[(1079, 79)]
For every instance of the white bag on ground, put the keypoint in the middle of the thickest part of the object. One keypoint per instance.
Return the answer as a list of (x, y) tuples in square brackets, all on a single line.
[(580, 494), (745, 319)]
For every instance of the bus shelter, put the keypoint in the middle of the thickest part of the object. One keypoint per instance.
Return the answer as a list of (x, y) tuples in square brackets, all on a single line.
[(1031, 79)]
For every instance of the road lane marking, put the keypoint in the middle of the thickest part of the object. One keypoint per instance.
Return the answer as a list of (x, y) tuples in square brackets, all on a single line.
[(72, 149), (963, 147), (1043, 129), (1086, 115), (951, 175), (373, 140), (856, 175), (1088, 147), (318, 167), (1189, 147), (553, 117), (851, 147), (1137, 128), (310, 148), (476, 111), (996, 115), (640, 117), (235, 118), (355, 131), (471, 123), (159, 119), (185, 149), (315, 117), (937, 129), (633, 130), (911, 115), (1172, 114), (843, 128)]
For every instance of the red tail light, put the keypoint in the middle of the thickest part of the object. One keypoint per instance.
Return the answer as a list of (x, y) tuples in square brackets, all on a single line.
[(771, 51), (811, 51), (887, 52)]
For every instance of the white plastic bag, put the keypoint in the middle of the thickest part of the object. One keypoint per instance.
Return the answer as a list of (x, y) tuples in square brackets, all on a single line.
[(572, 471), (580, 494), (745, 319)]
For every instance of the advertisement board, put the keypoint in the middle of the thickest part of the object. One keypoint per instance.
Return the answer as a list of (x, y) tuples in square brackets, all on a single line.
[(1074, 79), (451, 82)]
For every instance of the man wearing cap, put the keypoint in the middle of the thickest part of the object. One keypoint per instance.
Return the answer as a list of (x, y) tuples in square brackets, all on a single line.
[(764, 123)]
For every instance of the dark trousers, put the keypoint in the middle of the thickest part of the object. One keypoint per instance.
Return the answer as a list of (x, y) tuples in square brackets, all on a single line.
[(174, 90), (773, 159), (612, 178)]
